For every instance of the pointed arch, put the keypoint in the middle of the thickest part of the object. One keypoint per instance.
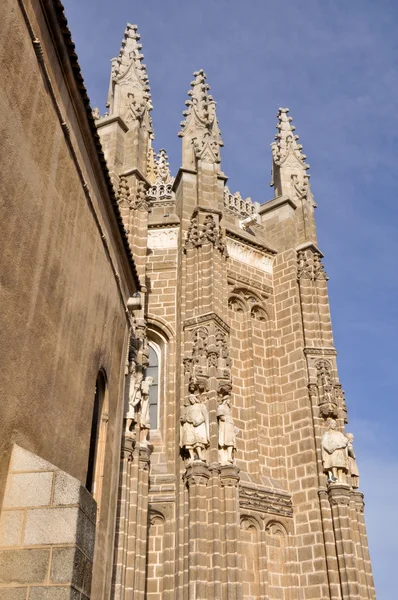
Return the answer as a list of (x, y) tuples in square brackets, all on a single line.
[(98, 435)]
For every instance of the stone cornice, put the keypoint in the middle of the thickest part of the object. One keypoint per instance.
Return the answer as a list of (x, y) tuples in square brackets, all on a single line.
[(245, 238), (309, 246), (320, 351), (109, 120), (205, 318), (276, 203)]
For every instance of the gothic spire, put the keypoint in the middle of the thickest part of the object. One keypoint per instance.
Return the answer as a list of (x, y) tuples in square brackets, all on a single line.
[(289, 169), (200, 132), (129, 92), (286, 141)]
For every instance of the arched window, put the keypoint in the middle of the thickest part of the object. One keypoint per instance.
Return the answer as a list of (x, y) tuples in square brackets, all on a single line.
[(153, 371), (99, 426)]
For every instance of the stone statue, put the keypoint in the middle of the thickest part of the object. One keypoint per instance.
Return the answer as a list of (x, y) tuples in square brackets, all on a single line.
[(226, 432), (139, 403), (334, 453), (194, 429), (352, 463)]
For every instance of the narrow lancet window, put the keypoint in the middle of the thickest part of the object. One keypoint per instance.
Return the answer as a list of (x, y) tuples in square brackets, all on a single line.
[(153, 371)]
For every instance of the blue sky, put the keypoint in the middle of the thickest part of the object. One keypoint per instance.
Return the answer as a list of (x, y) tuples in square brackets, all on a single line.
[(335, 65)]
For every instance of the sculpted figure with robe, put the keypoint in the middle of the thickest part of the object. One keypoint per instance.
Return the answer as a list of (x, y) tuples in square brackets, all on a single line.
[(352, 462), (139, 405), (334, 453), (226, 432), (194, 428)]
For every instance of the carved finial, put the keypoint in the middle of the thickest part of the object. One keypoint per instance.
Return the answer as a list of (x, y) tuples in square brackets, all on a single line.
[(151, 165), (129, 92), (289, 169), (202, 136), (163, 170), (162, 181), (286, 141)]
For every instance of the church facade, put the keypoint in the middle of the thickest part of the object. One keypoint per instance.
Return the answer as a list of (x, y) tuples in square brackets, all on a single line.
[(180, 429)]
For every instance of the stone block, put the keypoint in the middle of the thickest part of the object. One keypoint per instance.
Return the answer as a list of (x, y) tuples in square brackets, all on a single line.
[(23, 460), (11, 528), (18, 593), (68, 490), (51, 526), (24, 566), (70, 565), (53, 593), (28, 489)]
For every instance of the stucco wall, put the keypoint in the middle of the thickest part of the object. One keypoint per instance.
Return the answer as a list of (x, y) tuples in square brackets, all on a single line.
[(63, 287)]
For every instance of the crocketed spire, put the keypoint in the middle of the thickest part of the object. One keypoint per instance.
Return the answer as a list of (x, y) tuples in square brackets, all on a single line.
[(289, 169), (286, 141), (129, 92), (200, 132)]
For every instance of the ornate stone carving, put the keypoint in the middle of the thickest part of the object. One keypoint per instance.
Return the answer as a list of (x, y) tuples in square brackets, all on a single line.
[(310, 266), (206, 232), (160, 191), (140, 202), (352, 462), (133, 100), (334, 453), (226, 432), (327, 401), (192, 240), (194, 429), (265, 501), (123, 195), (235, 204), (200, 127)]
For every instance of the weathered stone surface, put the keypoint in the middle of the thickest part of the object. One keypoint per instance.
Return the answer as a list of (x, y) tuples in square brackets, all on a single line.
[(13, 593), (24, 566), (53, 593), (29, 489), (11, 523)]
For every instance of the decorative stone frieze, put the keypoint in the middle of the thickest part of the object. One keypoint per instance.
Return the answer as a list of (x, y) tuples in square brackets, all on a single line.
[(248, 255), (163, 238), (265, 501)]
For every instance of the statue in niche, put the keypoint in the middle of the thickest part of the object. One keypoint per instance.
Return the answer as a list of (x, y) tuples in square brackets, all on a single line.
[(352, 462), (139, 405), (226, 432), (334, 454), (194, 428)]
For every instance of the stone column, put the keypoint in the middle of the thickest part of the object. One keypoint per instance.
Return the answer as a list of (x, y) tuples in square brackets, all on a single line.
[(339, 497), (196, 477), (229, 476), (141, 536), (122, 521)]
